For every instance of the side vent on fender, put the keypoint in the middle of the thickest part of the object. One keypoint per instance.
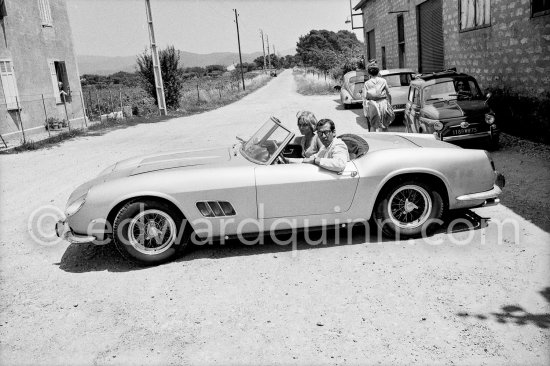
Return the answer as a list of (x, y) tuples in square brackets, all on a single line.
[(215, 208)]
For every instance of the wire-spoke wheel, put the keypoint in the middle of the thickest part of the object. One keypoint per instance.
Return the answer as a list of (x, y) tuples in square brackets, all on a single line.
[(409, 206), (149, 232), (152, 232), (408, 209)]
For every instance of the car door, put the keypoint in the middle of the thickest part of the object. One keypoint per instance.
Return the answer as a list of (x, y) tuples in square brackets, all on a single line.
[(413, 113), (291, 190), (409, 110)]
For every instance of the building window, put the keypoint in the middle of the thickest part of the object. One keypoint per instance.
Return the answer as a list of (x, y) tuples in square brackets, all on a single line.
[(371, 46), (540, 7), (401, 40), (9, 85), (60, 81), (384, 58), (45, 12), (474, 14)]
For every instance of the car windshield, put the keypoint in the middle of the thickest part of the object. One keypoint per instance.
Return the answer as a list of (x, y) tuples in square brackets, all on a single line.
[(395, 80), (266, 142), (451, 89)]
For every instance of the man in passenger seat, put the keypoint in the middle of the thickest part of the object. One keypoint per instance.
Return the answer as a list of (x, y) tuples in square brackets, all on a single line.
[(333, 155)]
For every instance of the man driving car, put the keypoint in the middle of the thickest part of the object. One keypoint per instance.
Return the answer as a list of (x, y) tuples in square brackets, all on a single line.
[(333, 155)]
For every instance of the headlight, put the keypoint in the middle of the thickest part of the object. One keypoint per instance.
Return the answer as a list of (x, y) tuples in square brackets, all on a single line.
[(438, 126), (489, 118), (76, 205)]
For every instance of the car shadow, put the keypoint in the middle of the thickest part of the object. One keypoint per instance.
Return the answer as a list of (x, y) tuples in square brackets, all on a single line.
[(81, 258), (516, 315)]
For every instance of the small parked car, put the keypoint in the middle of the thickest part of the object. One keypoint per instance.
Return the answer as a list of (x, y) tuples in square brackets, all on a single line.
[(151, 206), (450, 105), (398, 81), (351, 89)]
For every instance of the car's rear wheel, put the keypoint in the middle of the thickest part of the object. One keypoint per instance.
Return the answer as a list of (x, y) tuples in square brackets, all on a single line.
[(149, 232), (408, 209)]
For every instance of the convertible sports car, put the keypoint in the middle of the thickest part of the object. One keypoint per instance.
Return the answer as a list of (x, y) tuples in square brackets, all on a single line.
[(151, 206)]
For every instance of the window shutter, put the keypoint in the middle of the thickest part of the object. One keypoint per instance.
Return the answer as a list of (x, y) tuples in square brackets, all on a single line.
[(53, 75), (45, 12), (9, 85)]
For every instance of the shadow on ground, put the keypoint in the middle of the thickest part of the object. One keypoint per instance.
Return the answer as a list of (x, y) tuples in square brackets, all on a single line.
[(514, 314), (79, 258)]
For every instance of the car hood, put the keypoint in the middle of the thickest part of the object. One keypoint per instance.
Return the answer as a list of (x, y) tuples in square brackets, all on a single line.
[(168, 160), (454, 109)]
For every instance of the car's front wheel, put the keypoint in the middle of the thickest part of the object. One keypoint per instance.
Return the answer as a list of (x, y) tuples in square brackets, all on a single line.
[(408, 209), (149, 232)]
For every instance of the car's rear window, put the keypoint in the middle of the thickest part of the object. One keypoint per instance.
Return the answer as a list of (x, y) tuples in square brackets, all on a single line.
[(358, 79)]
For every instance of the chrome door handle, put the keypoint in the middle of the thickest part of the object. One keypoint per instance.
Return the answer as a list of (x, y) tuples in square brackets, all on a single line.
[(352, 173)]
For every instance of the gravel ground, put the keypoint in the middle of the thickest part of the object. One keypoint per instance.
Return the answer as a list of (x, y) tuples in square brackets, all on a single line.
[(478, 297)]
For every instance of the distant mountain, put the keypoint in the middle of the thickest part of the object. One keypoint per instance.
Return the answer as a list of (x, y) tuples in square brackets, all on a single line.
[(106, 65)]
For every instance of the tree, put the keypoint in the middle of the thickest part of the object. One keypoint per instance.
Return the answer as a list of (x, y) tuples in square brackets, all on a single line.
[(172, 75), (329, 50)]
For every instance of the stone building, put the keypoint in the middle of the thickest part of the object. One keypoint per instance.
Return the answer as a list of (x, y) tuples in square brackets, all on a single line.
[(38, 68), (504, 44)]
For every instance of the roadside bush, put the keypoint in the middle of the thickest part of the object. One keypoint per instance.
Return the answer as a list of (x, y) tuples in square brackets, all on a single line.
[(315, 84), (521, 115)]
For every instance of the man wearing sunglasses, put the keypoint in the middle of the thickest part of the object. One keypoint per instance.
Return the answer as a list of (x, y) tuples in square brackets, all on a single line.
[(333, 155)]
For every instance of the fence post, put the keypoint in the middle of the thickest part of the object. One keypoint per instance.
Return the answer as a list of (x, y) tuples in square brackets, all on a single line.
[(120, 98), (46, 116), (98, 104), (198, 94), (220, 91), (66, 114), (20, 119), (83, 107), (111, 101), (91, 104), (3, 141)]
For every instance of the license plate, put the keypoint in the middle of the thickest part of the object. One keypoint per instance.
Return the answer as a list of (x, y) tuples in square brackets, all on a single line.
[(464, 131)]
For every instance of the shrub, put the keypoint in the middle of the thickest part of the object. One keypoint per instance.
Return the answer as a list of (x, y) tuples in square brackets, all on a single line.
[(172, 76)]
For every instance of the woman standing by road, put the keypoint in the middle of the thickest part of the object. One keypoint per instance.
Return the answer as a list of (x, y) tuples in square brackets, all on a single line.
[(377, 100)]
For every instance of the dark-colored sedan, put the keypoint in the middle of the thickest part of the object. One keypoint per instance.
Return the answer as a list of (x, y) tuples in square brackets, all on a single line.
[(450, 105)]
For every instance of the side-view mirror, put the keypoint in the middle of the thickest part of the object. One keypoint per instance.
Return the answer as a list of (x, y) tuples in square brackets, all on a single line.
[(337, 87)]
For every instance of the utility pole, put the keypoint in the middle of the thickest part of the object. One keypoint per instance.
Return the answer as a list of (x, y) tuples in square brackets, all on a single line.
[(268, 54), (159, 87), (239, 41), (263, 47)]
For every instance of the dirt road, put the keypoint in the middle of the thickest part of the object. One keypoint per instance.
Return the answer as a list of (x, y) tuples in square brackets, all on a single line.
[(475, 298)]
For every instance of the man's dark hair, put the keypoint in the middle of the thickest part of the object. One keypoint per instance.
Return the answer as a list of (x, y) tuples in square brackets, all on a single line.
[(324, 121)]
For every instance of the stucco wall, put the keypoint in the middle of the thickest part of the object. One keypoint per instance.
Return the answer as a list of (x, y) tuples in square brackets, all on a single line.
[(29, 45), (513, 53)]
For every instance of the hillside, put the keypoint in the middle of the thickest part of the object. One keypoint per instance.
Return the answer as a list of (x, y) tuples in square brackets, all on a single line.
[(106, 65)]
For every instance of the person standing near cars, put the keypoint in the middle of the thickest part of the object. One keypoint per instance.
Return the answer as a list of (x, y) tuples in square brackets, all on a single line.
[(377, 100)]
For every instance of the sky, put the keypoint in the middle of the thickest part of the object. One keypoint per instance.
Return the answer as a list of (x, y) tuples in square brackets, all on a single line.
[(119, 27)]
